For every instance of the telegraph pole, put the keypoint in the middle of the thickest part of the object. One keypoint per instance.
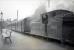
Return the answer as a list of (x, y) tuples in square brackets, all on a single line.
[(10, 23), (48, 3), (17, 19)]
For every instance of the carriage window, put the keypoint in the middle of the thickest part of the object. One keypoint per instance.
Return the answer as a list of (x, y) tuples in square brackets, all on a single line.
[(54, 14)]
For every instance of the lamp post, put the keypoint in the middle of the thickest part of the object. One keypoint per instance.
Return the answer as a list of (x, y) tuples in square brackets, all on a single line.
[(1, 21)]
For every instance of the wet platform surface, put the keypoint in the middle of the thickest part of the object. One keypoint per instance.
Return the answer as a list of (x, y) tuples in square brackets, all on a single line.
[(24, 42)]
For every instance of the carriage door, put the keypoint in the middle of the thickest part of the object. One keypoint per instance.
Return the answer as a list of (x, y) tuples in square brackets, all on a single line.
[(68, 28)]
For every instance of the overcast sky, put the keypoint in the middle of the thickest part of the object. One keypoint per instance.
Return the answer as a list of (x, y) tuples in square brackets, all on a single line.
[(25, 8), (61, 4)]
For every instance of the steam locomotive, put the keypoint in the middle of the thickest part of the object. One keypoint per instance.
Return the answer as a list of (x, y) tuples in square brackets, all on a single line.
[(60, 25)]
